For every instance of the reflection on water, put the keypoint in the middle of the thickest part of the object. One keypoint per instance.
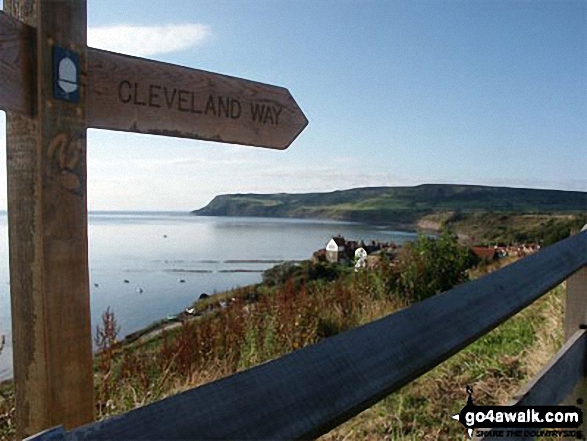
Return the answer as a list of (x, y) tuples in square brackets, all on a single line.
[(149, 265)]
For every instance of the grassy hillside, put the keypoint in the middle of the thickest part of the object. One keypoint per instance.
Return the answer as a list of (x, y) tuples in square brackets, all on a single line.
[(397, 205), (265, 321), (544, 229), (262, 322)]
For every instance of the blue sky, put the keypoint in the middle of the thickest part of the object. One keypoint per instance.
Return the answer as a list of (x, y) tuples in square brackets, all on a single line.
[(397, 93)]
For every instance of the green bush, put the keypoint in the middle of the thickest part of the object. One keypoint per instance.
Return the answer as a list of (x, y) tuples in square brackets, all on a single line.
[(429, 266), (280, 273), (324, 271), (303, 272)]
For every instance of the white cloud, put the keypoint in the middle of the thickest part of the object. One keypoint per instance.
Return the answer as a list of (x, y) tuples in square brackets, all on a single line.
[(146, 41)]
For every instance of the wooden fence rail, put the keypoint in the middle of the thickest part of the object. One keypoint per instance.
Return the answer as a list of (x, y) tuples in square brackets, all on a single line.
[(310, 391)]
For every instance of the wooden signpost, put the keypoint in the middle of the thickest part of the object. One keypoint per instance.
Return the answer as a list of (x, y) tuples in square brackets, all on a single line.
[(137, 95), (53, 87), (16, 65)]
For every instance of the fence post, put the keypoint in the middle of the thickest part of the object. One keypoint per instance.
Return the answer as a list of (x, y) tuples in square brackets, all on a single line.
[(47, 226), (575, 318), (576, 302)]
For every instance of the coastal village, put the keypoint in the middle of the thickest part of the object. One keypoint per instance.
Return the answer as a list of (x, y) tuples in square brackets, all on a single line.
[(341, 250), (338, 250)]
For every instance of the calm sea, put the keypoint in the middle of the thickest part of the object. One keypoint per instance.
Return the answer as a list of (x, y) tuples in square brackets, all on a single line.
[(146, 266)]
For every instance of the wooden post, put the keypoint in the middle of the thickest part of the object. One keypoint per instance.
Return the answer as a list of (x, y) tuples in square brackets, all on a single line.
[(576, 302), (47, 220), (575, 318)]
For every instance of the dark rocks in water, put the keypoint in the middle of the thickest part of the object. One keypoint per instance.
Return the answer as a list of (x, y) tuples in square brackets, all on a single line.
[(203, 296)]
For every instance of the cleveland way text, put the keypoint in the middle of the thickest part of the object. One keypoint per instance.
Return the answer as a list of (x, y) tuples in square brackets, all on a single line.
[(158, 96)]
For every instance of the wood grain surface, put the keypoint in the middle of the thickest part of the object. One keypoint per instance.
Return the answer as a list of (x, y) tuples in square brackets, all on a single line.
[(138, 95), (17, 42), (47, 215)]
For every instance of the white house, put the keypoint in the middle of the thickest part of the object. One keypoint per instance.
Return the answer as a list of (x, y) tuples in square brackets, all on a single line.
[(334, 248)]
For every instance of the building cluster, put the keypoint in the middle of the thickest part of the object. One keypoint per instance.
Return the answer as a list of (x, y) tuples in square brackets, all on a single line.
[(499, 251), (340, 250)]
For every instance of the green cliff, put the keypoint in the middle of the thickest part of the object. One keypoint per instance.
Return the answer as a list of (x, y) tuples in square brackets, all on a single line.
[(398, 205)]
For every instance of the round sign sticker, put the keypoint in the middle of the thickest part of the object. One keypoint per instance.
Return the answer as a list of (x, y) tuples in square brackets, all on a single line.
[(67, 75)]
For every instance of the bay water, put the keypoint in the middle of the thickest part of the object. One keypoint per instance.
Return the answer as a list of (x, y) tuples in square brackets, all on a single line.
[(148, 265)]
